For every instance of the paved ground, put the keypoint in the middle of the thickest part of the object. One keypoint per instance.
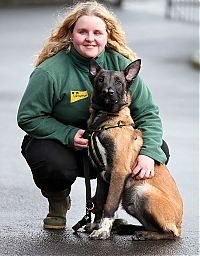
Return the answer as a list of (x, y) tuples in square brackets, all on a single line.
[(165, 47)]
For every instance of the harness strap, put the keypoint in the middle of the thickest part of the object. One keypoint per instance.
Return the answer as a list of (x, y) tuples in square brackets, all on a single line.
[(94, 152), (93, 148), (107, 126)]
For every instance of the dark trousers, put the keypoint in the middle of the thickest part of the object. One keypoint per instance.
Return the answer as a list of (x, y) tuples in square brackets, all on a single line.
[(54, 166)]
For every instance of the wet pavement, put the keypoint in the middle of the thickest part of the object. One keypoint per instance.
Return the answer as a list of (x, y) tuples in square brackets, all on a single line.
[(165, 47)]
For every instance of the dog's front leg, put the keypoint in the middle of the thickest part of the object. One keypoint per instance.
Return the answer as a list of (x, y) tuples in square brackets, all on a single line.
[(112, 204), (99, 202)]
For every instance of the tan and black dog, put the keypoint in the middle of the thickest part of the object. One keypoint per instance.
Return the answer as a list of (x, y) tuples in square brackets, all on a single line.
[(114, 147)]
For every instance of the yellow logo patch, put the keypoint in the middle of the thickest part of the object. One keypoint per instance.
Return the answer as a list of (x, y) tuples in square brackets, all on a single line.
[(78, 95)]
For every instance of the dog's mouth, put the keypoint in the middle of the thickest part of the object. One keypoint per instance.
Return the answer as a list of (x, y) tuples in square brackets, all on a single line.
[(107, 104), (110, 101), (111, 106)]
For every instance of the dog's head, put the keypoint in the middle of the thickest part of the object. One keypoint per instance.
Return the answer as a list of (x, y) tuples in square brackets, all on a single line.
[(111, 88)]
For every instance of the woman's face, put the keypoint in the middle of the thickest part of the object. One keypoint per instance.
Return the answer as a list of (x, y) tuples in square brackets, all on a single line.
[(89, 36)]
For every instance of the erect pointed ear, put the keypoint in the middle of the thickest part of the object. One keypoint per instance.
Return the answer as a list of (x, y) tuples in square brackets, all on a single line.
[(132, 70), (94, 68)]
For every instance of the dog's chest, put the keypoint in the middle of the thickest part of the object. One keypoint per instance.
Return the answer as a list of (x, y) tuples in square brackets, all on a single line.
[(100, 153), (97, 151)]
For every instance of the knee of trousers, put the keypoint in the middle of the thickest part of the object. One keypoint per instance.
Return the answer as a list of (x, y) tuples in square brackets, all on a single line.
[(165, 149), (54, 166), (51, 177)]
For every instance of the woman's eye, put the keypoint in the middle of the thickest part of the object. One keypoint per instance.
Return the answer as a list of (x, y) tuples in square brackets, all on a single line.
[(82, 32), (97, 33)]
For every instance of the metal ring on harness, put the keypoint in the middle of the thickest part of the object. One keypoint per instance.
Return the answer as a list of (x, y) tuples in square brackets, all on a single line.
[(90, 208)]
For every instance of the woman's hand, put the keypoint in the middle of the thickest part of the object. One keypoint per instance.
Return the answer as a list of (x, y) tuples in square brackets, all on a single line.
[(144, 167), (79, 142)]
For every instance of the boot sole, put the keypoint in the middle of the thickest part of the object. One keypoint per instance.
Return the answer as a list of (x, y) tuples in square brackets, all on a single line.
[(53, 227)]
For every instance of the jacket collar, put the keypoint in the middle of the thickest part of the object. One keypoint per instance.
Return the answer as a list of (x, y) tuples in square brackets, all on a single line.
[(83, 62)]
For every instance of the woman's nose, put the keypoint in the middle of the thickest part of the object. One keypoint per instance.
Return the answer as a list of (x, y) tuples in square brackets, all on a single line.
[(90, 37)]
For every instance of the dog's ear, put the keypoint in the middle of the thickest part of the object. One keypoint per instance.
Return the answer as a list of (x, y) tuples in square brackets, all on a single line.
[(132, 70), (94, 68)]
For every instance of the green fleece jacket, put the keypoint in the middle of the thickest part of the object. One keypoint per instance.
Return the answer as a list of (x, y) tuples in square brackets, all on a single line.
[(56, 101)]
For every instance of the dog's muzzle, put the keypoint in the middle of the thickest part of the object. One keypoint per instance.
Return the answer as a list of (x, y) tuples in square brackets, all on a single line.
[(108, 91), (109, 100), (109, 95)]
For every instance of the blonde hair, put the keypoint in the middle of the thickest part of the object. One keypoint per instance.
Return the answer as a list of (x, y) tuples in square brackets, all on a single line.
[(60, 37)]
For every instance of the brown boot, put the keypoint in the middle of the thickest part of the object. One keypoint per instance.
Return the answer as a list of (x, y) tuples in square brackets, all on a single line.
[(59, 204)]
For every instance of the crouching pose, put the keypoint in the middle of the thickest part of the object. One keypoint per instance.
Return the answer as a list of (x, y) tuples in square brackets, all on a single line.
[(55, 106)]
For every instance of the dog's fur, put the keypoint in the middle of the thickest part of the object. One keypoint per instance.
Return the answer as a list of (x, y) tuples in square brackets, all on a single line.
[(155, 202)]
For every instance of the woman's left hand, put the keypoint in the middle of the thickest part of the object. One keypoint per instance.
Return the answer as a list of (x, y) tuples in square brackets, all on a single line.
[(79, 142), (144, 167)]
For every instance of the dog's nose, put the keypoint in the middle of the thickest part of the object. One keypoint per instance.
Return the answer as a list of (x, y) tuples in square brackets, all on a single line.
[(108, 91)]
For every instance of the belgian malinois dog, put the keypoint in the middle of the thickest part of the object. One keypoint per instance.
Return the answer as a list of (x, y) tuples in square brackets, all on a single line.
[(115, 144)]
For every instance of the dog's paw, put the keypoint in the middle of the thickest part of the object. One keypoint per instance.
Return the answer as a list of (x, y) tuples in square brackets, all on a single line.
[(89, 227), (138, 236), (100, 234)]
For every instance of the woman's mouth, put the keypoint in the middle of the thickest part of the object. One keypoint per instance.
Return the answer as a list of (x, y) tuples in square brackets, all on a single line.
[(89, 46)]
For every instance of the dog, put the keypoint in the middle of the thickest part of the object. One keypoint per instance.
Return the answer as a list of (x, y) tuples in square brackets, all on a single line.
[(114, 147)]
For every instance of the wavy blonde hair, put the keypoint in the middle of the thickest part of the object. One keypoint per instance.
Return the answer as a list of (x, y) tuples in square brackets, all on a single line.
[(60, 37)]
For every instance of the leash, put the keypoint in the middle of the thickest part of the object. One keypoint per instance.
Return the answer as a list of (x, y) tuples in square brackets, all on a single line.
[(89, 203)]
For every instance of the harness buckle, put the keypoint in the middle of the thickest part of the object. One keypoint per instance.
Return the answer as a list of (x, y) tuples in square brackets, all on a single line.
[(120, 124)]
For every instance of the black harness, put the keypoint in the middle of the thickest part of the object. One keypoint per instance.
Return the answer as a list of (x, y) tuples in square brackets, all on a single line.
[(93, 149)]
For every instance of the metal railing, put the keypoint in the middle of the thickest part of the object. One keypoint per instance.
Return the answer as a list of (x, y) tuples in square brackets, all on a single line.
[(187, 10)]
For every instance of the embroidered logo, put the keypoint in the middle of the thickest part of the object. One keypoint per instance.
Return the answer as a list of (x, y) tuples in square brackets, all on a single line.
[(78, 95)]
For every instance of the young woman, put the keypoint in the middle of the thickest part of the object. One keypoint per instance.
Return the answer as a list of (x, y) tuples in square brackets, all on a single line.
[(54, 109)]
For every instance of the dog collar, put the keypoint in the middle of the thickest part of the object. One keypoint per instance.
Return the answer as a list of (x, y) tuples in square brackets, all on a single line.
[(107, 126)]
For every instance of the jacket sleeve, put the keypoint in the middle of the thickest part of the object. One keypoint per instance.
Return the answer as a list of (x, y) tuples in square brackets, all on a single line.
[(35, 110), (146, 117)]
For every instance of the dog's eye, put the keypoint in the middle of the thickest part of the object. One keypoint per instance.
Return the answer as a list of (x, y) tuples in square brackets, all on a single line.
[(118, 82), (101, 79)]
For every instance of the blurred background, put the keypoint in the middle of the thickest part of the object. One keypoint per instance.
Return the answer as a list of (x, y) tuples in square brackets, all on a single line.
[(165, 34)]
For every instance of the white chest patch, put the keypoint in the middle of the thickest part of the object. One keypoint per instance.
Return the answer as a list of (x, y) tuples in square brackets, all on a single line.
[(102, 151)]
